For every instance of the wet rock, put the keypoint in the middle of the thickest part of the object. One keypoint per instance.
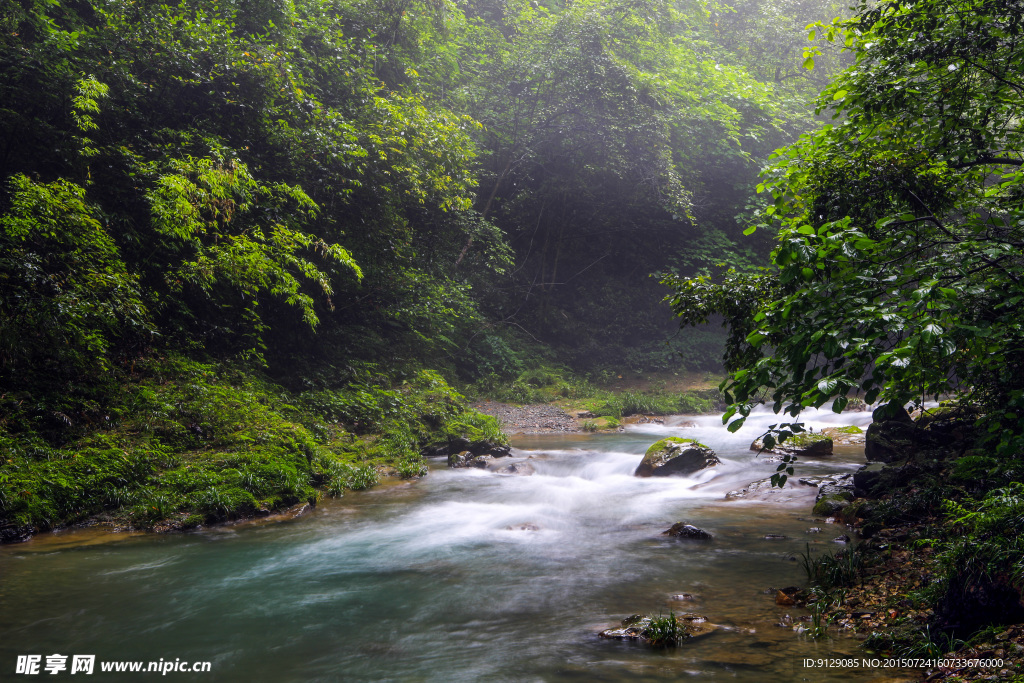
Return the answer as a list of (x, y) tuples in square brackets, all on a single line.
[(687, 531), (762, 489), (459, 444), (807, 444), (676, 456), (298, 510), (841, 539), (468, 459), (866, 477), (463, 459), (523, 527), (832, 503), (14, 533), (637, 627), (522, 469), (683, 597), (830, 483)]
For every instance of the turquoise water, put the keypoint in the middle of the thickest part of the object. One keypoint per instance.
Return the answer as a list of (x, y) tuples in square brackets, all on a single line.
[(464, 575)]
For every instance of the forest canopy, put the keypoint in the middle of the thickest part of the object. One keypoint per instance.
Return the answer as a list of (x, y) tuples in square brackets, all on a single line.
[(393, 181)]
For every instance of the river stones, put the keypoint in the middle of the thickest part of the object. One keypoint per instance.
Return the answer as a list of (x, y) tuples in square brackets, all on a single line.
[(461, 445), (687, 532), (835, 491), (463, 459), (468, 459), (805, 444), (762, 490), (676, 456)]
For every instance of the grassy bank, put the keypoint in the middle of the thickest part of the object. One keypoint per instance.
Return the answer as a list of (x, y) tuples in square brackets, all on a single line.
[(608, 395), (176, 443)]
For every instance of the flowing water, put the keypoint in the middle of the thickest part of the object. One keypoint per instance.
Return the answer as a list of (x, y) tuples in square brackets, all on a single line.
[(465, 575)]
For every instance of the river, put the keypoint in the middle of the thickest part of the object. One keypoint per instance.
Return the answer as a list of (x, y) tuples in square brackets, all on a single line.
[(464, 575)]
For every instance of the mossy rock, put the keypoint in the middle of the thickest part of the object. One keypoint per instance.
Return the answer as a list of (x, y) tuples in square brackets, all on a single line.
[(850, 429), (832, 503), (807, 443), (676, 456), (652, 630)]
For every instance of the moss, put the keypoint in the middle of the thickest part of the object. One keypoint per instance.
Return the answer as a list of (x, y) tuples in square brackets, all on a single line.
[(660, 403), (832, 503), (805, 439), (208, 442), (665, 443), (852, 429)]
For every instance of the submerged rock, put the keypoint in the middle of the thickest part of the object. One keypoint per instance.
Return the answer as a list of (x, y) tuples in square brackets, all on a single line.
[(676, 456), (683, 597), (687, 531), (522, 469)]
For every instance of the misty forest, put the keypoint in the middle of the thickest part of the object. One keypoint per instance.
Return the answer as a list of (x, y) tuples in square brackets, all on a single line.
[(512, 340)]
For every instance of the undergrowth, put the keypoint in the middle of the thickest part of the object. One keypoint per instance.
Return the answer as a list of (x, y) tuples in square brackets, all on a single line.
[(191, 443)]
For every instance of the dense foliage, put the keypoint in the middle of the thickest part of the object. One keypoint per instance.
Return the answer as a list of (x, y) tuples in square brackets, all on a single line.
[(331, 195), (898, 269)]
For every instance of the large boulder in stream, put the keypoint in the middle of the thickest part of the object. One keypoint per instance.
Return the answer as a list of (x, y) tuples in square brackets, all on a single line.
[(676, 456)]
